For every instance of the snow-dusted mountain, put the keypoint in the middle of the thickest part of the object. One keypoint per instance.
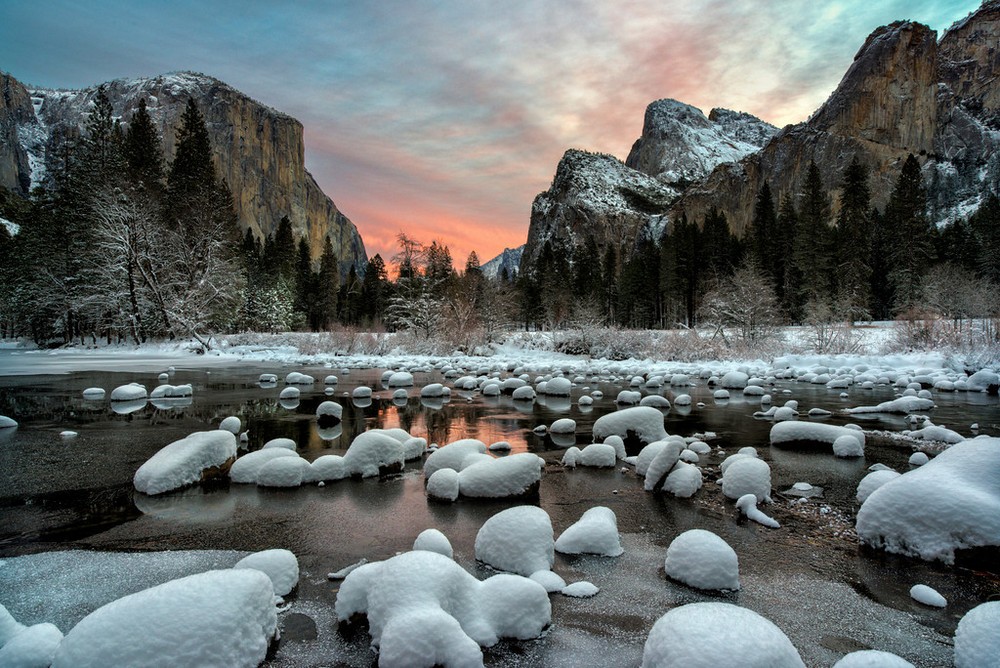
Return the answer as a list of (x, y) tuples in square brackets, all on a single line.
[(509, 259), (679, 145), (259, 151)]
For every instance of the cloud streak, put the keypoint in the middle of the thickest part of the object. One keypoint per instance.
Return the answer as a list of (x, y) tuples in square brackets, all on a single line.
[(445, 119)]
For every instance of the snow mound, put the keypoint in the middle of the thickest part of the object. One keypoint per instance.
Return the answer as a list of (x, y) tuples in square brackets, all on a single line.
[(717, 635), (424, 609), (872, 658), (443, 484), (326, 467), (933, 432), (582, 589), (219, 618), (280, 443), (873, 481), (662, 463), (747, 475), (683, 481), (643, 422), (185, 461), (848, 446), (928, 596), (432, 540), (551, 581), (31, 647), (950, 503), (279, 565), (703, 560), (563, 426), (515, 475), (374, 452), (596, 532), (599, 455), (517, 540), (246, 468), (7, 422), (130, 392), (283, 472), (902, 406), (977, 638)]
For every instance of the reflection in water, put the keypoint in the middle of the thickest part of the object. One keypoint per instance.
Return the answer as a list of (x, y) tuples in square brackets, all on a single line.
[(126, 407)]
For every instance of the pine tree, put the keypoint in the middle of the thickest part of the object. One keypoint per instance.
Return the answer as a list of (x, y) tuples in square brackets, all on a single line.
[(687, 242), (327, 286), (911, 250), (788, 279), (143, 149), (305, 289), (985, 224), (718, 244), (284, 254), (192, 170), (812, 251), (854, 243), (763, 235), (375, 290)]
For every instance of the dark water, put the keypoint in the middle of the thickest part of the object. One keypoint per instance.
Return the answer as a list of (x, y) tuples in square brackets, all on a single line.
[(58, 494)]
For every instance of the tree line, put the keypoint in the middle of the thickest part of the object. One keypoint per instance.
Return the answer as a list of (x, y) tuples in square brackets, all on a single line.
[(861, 263)]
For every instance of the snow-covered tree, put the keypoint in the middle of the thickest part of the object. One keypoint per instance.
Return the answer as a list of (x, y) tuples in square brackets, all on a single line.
[(745, 302)]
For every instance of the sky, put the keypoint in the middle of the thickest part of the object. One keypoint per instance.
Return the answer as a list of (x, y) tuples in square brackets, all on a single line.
[(444, 119)]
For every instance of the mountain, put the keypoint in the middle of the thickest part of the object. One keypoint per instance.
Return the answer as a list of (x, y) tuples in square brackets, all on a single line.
[(258, 151), (598, 195), (509, 259), (905, 92), (679, 145)]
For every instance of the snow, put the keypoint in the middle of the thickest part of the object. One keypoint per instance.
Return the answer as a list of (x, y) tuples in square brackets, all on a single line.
[(798, 434), (280, 443), (289, 393), (662, 463), (551, 581), (734, 380), (7, 422), (183, 462), (424, 609), (717, 635), (93, 393), (582, 589), (246, 468), (433, 390), (872, 658), (400, 379), (329, 411), (279, 565), (325, 468), (683, 481), (563, 426), (596, 532), (373, 452), (443, 484), (918, 459), (510, 476), (167, 391), (950, 503), (31, 647), (848, 446), (645, 422), (748, 475), (931, 432), (558, 387), (902, 405), (747, 504), (517, 540), (977, 638), (296, 378), (703, 560), (219, 618), (923, 594), (433, 540), (599, 455)]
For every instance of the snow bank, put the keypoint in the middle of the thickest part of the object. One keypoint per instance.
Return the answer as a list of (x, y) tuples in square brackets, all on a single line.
[(515, 475), (950, 503), (596, 532), (185, 461), (219, 618), (717, 635), (977, 638), (424, 609), (703, 560), (517, 540)]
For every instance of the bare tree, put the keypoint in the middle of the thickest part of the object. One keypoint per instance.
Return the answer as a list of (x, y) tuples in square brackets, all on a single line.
[(745, 302)]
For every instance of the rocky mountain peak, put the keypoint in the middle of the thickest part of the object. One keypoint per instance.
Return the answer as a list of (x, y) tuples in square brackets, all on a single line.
[(680, 145), (969, 63)]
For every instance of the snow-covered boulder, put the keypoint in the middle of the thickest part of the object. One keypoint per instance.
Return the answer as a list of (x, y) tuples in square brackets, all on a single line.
[(506, 477), (443, 485), (748, 475), (873, 481), (289, 394), (424, 609), (283, 472), (297, 378), (848, 446), (642, 422), (581, 589), (517, 540), (563, 426), (523, 393), (171, 392), (872, 658), (598, 455), (982, 380), (977, 638), (187, 461), (280, 443), (400, 379), (326, 468), (551, 581), (901, 406), (703, 560), (130, 392), (27, 646), (246, 468), (329, 412), (662, 463), (452, 455), (433, 540), (813, 434), (219, 618), (935, 433), (734, 380), (414, 448), (656, 401), (717, 635), (921, 593), (374, 453), (747, 504), (279, 565), (93, 393), (596, 532), (558, 387), (7, 422), (950, 503), (433, 391), (683, 481)]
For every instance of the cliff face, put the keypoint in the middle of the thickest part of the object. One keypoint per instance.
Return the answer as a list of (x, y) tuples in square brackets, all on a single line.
[(15, 113), (258, 151), (970, 62)]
